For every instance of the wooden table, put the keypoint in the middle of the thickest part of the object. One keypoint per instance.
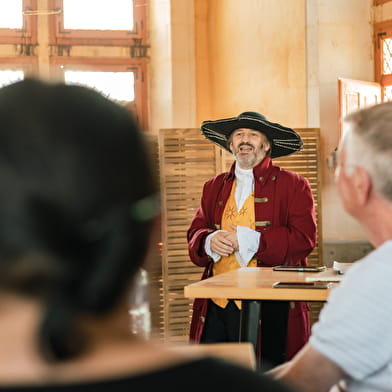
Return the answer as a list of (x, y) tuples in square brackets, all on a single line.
[(253, 285)]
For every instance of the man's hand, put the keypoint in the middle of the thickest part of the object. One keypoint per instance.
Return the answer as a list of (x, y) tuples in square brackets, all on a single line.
[(234, 238), (224, 243)]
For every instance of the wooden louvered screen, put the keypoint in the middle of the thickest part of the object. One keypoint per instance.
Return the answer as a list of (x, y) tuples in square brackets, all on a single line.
[(153, 263), (307, 163), (186, 161)]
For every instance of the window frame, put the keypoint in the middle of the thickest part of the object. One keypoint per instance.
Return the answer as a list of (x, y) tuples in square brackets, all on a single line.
[(60, 36), (382, 30), (379, 2), (138, 66), (28, 33), (28, 64)]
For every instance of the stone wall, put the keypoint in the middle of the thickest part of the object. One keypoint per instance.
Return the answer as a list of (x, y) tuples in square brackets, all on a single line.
[(344, 251)]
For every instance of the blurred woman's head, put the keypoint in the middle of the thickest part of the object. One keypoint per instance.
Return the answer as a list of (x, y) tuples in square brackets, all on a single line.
[(77, 197)]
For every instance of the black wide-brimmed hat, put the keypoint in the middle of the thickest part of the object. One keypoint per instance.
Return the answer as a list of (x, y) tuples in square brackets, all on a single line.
[(284, 141)]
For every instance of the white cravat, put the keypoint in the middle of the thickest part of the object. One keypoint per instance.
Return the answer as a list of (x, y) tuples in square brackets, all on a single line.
[(248, 239), (245, 185)]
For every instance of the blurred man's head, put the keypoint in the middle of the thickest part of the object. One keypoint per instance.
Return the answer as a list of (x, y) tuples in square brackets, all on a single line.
[(365, 155)]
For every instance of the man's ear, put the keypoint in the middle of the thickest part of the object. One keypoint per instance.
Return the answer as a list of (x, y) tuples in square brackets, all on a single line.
[(362, 185), (267, 146)]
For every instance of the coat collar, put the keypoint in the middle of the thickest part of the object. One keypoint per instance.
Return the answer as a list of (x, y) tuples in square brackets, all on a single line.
[(262, 169)]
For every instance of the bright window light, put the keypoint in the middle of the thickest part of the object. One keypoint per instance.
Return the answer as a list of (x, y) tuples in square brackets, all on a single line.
[(98, 14), (8, 76), (118, 86), (11, 14)]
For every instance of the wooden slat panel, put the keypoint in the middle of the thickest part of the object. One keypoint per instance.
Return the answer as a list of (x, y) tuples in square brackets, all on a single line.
[(154, 260), (186, 161), (307, 163)]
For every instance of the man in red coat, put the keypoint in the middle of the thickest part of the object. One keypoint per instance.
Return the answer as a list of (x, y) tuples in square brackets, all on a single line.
[(257, 214)]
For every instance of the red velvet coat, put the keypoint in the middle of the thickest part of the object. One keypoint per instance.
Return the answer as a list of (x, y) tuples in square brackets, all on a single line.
[(285, 216)]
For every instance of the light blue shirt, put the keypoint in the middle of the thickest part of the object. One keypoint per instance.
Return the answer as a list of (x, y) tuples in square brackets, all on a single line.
[(354, 329)]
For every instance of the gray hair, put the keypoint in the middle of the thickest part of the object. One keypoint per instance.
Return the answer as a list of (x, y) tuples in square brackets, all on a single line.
[(368, 144)]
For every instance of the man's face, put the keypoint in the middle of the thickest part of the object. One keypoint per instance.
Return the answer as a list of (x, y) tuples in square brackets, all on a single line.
[(249, 147)]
